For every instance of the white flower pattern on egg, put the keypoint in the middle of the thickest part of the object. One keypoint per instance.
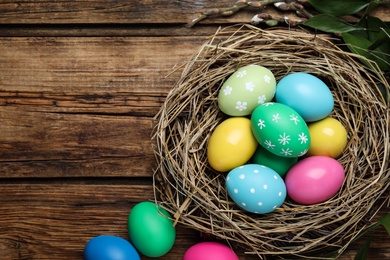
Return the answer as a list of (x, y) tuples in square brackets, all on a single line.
[(295, 119), (269, 144), (241, 73), (227, 90), (276, 117), (284, 139), (267, 78), (240, 106), (250, 86), (286, 152), (303, 138), (261, 99), (261, 124), (303, 152)]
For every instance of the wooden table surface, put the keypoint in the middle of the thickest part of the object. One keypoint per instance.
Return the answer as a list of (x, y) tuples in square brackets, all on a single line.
[(80, 82)]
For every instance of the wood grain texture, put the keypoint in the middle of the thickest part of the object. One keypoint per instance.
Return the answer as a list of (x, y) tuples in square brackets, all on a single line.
[(80, 83), (92, 64), (124, 12)]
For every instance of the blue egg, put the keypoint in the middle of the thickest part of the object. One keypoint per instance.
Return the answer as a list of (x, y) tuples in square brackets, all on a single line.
[(306, 94), (108, 247), (256, 188)]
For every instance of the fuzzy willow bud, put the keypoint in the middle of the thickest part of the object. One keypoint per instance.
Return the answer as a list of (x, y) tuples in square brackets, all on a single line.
[(282, 6), (212, 11), (256, 20), (257, 4), (241, 2)]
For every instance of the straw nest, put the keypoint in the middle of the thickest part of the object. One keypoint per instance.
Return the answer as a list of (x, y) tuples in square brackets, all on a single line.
[(195, 194)]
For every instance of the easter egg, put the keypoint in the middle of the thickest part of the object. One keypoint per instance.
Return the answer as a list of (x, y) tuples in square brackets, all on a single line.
[(314, 179), (277, 163), (231, 144), (150, 229), (280, 130), (210, 251), (328, 138), (306, 94), (245, 89), (256, 188), (107, 247)]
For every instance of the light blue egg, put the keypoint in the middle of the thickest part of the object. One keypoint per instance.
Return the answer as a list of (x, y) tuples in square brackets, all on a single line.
[(306, 94), (107, 247), (256, 188)]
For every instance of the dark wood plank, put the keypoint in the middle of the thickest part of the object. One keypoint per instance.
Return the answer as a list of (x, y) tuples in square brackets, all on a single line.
[(54, 220), (92, 64), (122, 12), (41, 144)]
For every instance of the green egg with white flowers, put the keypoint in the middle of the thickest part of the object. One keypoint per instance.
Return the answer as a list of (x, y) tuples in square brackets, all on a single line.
[(245, 89), (280, 130)]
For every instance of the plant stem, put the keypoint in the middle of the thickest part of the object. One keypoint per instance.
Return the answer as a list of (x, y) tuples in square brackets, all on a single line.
[(227, 11)]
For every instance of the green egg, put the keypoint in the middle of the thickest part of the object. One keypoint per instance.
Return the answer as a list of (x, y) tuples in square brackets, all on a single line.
[(280, 130), (277, 163), (245, 89), (151, 229)]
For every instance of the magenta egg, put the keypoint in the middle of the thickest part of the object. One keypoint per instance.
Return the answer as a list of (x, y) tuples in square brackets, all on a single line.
[(210, 251), (314, 179)]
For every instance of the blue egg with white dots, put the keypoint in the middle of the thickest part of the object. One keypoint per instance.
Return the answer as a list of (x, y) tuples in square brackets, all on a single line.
[(256, 188)]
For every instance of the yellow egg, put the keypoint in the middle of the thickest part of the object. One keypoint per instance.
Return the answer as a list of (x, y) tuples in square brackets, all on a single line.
[(231, 144), (328, 138)]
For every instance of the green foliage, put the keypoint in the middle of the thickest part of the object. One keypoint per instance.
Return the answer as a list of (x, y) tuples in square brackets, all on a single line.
[(363, 251), (338, 7), (369, 37), (331, 24), (384, 221)]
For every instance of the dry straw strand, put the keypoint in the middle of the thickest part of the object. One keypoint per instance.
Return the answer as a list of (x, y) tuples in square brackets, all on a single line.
[(195, 194)]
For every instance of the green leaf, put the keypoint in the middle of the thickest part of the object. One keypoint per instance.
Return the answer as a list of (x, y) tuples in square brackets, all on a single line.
[(358, 43), (373, 25), (339, 7), (385, 221), (382, 40), (363, 251), (330, 24)]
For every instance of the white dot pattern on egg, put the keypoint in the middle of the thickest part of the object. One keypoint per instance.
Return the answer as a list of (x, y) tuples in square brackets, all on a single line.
[(256, 188), (245, 89)]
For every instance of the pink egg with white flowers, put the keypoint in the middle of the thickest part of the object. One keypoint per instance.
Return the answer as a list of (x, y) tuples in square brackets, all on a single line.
[(210, 251), (314, 179)]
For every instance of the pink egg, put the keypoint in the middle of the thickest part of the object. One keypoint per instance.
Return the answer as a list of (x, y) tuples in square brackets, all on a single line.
[(210, 251), (314, 179)]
